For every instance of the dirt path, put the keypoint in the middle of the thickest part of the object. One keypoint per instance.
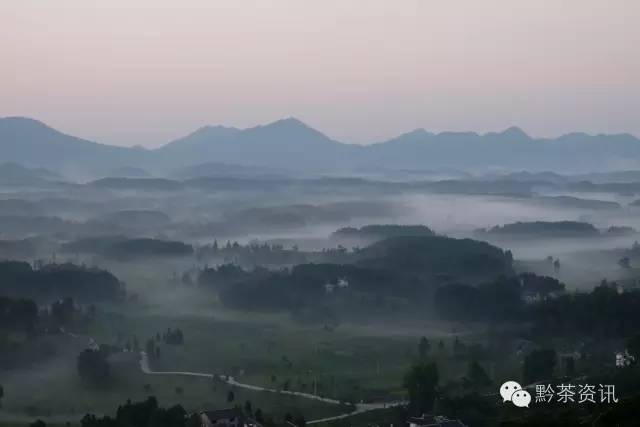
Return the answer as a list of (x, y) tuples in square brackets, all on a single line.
[(359, 407)]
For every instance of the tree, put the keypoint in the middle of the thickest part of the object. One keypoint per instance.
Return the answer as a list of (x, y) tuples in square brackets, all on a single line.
[(1, 394), (17, 314), (38, 423), (421, 383), (146, 413), (539, 365), (423, 347), (259, 416), (94, 368), (248, 409)]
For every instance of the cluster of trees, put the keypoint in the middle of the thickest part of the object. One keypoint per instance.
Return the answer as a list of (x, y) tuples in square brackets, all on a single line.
[(93, 367), (223, 275), (397, 270), (53, 281), (421, 382), (498, 300), (152, 346), (152, 349), (429, 256), (148, 413), (123, 248), (22, 321), (251, 255), (17, 315), (172, 336), (65, 313), (380, 232), (140, 414), (545, 228), (473, 400), (131, 344), (620, 230), (303, 286), (603, 312)]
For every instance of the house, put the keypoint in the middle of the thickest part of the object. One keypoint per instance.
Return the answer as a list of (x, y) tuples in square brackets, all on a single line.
[(530, 297), (342, 283), (93, 345), (231, 417), (434, 421), (630, 285)]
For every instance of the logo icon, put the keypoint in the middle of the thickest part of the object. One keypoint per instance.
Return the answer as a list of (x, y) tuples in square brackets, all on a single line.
[(511, 391), (507, 389), (521, 398)]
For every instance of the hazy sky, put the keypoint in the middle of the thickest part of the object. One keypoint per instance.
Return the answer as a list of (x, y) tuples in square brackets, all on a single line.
[(147, 71)]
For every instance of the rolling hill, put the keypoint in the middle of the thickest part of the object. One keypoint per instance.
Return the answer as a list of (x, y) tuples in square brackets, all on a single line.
[(291, 145)]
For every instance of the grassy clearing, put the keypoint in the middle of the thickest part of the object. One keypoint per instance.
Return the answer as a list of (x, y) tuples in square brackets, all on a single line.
[(349, 364), (54, 391)]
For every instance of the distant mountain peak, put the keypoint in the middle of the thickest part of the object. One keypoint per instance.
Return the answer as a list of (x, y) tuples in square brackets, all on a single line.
[(289, 123), (416, 135), (515, 132), (19, 119), (205, 134), (289, 143), (291, 129), (24, 122)]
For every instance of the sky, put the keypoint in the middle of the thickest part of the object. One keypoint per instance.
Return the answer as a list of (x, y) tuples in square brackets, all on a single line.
[(131, 72)]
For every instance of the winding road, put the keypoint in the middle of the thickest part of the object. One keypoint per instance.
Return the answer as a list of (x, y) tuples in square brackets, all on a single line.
[(359, 407)]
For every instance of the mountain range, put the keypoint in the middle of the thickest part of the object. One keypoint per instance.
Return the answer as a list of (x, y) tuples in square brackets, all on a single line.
[(291, 145)]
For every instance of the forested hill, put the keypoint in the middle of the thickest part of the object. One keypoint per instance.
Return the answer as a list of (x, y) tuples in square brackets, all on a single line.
[(54, 281)]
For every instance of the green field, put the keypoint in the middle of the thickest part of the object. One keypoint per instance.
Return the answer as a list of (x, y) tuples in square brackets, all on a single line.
[(350, 363)]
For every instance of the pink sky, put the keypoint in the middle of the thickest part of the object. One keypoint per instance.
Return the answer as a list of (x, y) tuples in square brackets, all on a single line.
[(147, 71)]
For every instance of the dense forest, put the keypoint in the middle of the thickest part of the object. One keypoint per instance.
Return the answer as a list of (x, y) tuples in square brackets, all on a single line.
[(53, 281)]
